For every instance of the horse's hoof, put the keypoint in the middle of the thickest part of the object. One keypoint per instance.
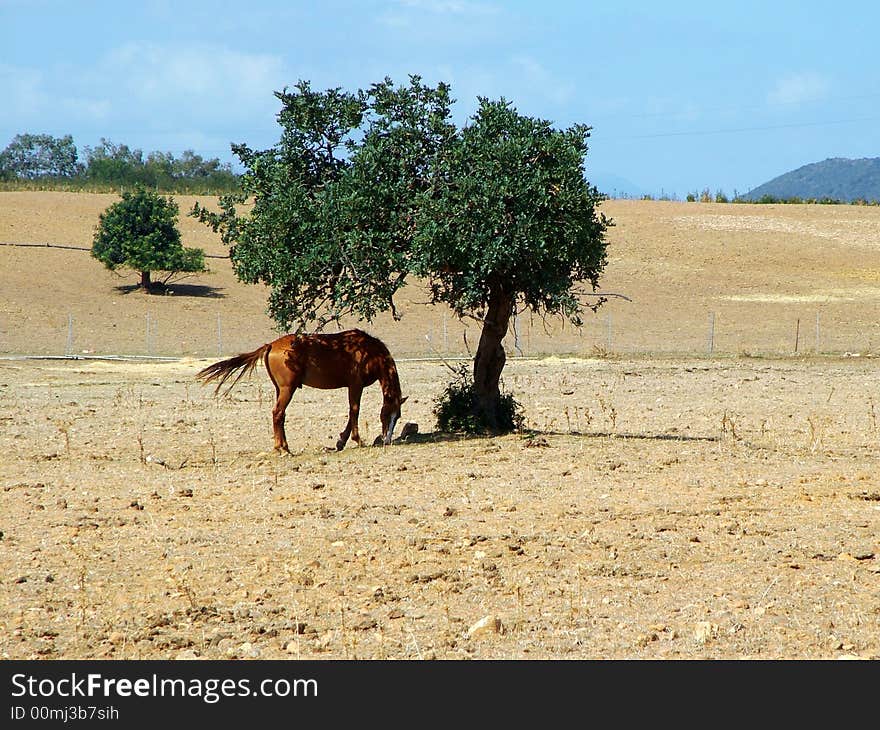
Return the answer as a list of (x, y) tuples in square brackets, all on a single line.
[(340, 445)]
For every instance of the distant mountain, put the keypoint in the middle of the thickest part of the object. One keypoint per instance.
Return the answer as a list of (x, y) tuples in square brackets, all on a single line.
[(837, 178)]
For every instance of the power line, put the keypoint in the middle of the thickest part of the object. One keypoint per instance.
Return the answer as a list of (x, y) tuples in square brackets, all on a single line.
[(736, 130), (760, 107)]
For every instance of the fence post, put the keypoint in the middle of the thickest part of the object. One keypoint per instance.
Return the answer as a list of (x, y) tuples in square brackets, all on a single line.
[(797, 334), (69, 350), (711, 340)]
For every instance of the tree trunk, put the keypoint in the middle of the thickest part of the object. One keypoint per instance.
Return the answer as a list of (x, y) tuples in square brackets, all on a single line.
[(146, 284), (490, 357)]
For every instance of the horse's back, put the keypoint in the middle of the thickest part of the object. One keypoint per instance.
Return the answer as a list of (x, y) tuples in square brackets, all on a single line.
[(332, 360)]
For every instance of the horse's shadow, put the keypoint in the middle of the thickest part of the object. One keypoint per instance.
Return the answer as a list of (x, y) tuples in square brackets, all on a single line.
[(436, 437), (176, 290)]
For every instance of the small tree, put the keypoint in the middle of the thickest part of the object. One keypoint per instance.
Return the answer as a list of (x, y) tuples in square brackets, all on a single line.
[(140, 233)]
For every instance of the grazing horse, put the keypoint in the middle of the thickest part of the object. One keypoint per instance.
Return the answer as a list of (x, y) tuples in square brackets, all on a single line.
[(351, 359)]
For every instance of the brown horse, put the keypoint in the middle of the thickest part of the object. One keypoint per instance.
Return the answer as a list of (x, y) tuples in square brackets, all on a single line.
[(351, 359)]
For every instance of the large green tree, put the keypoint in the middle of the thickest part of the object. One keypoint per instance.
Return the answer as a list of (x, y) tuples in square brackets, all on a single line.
[(365, 189), (139, 232)]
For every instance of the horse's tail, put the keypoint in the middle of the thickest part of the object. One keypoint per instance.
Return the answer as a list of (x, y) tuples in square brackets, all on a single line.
[(223, 370)]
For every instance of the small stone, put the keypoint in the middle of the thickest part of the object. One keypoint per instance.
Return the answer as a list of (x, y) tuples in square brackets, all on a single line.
[(486, 626), (187, 655), (409, 429), (116, 637), (704, 631), (249, 651)]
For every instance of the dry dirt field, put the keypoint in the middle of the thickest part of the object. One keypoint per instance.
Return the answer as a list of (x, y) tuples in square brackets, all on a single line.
[(662, 503)]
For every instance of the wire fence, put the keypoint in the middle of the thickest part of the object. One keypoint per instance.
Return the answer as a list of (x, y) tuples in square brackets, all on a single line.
[(432, 334)]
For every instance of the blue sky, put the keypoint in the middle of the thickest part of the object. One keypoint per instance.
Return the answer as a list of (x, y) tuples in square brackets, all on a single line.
[(681, 96)]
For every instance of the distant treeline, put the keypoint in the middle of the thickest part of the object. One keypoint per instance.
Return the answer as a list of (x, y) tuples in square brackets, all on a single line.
[(810, 201), (43, 162), (720, 197)]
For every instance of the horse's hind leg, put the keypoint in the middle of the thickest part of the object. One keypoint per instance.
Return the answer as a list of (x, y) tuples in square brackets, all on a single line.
[(351, 428), (284, 394)]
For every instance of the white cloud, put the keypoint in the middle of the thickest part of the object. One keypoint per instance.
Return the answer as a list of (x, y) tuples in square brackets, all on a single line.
[(542, 82), (413, 14), (22, 92), (33, 105), (150, 96), (195, 75), (454, 7), (799, 88)]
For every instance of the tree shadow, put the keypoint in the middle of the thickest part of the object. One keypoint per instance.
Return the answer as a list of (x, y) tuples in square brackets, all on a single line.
[(625, 435), (437, 437), (534, 437), (175, 290)]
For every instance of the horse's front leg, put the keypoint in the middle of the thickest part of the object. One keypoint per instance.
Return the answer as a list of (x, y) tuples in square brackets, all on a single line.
[(351, 428)]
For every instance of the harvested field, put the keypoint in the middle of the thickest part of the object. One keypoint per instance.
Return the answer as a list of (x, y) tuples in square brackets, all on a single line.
[(660, 504)]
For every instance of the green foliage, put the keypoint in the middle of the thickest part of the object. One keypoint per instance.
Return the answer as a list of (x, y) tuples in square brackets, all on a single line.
[(509, 208), (140, 232), (118, 165), (334, 201), (30, 156), (367, 188), (44, 162), (457, 409)]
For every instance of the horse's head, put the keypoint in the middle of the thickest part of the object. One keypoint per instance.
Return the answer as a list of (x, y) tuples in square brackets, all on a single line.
[(390, 415)]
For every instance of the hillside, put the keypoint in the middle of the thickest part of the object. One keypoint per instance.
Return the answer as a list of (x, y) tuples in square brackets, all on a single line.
[(699, 276), (837, 178)]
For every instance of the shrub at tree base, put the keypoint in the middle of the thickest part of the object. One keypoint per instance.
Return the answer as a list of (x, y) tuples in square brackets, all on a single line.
[(457, 409)]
